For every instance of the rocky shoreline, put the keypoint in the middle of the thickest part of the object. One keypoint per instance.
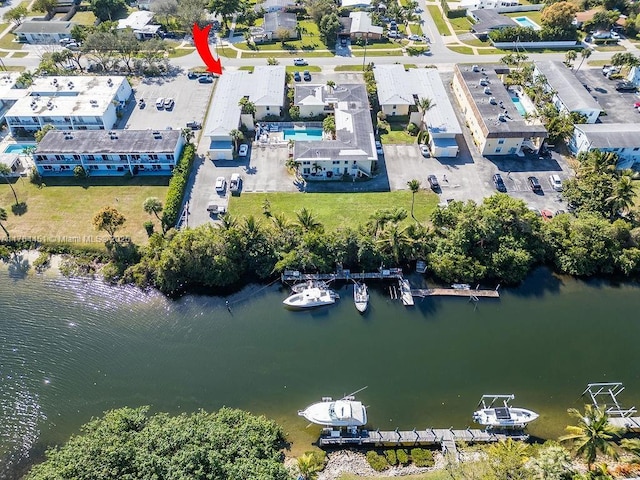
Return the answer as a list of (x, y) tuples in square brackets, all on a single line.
[(355, 463)]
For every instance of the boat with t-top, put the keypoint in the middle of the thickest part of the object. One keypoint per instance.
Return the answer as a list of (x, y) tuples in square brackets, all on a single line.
[(345, 412), (311, 296), (361, 296), (504, 415)]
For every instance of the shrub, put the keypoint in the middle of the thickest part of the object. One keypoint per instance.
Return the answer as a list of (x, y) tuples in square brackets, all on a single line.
[(422, 457), (391, 457), (34, 176), (416, 51), (402, 456), (413, 129), (42, 262), (148, 226), (377, 462), (177, 186)]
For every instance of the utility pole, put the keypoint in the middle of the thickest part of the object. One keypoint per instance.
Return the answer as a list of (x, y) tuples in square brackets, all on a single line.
[(366, 41)]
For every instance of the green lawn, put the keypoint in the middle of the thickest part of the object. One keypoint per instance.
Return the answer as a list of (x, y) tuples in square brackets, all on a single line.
[(311, 68), (441, 25), (19, 54), (611, 48), (407, 66), (84, 18), (594, 63), (463, 50), (66, 206), (354, 208), (179, 52), (474, 42), (415, 29), (461, 24), (281, 54), (397, 135), (310, 40), (378, 53), (378, 44), (7, 42), (490, 51), (348, 68)]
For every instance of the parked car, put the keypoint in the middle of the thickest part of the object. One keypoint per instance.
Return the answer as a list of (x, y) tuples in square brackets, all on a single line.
[(193, 75), (615, 36), (424, 150), (235, 183), (636, 105), (555, 182), (393, 34), (433, 182), (535, 184), (296, 76), (546, 214), (379, 149), (626, 87), (301, 62), (499, 183), (160, 103), (535, 211), (415, 38), (194, 125), (602, 34), (142, 103), (221, 184), (169, 103), (73, 46), (243, 150), (306, 76), (205, 79), (559, 212), (609, 70)]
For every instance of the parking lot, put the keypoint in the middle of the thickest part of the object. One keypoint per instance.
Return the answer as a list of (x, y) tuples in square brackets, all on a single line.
[(617, 105), (191, 101)]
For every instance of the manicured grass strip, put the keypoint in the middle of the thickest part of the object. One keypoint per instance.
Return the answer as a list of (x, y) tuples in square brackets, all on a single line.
[(407, 66), (249, 68), (381, 45), (285, 55), (461, 24), (377, 53), (415, 29), (354, 208), (441, 25), (594, 63), (84, 18), (490, 51), (64, 207), (463, 50), (311, 68), (348, 68), (7, 42), (179, 52), (611, 48), (397, 135)]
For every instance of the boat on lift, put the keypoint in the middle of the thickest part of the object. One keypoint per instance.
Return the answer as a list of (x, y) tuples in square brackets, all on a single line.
[(345, 412), (299, 287), (311, 296), (361, 296), (504, 415)]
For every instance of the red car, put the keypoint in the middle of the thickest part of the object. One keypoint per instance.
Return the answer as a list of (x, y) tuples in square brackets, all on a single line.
[(636, 105), (546, 214)]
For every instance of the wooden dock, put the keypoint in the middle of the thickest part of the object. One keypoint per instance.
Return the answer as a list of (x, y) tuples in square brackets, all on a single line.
[(444, 438), (631, 424), (382, 274), (454, 292)]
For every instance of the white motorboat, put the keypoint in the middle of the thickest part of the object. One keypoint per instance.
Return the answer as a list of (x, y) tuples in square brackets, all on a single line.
[(299, 287), (346, 412), (311, 297), (361, 296), (504, 416)]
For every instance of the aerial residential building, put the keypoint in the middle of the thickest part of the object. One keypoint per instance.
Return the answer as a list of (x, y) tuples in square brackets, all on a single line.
[(399, 92), (496, 125), (140, 23), (488, 4), (69, 103), (360, 26), (279, 22), (42, 31), (312, 100), (488, 20), (569, 93), (9, 94), (620, 138), (264, 88), (116, 152), (353, 150), (274, 5)]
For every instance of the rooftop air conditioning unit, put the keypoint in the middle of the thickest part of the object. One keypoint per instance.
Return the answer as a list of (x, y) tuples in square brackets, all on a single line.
[(55, 81)]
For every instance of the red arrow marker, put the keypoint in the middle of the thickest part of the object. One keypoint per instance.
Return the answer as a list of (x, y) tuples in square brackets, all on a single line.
[(201, 41)]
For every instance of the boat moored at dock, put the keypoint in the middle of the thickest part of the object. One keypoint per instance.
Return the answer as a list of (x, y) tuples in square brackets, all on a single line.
[(346, 412), (503, 416), (310, 297), (361, 296)]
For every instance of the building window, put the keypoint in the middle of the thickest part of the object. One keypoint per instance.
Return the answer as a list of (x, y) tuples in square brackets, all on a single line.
[(267, 109), (335, 162), (501, 141), (498, 150), (636, 149), (394, 107)]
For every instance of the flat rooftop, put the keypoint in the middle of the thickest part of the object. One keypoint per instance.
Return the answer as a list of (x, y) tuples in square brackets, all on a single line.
[(7, 84), (104, 142), (78, 96), (612, 135), (567, 86), (493, 102)]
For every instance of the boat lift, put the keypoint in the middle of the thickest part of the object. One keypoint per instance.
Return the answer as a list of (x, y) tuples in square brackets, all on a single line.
[(493, 399), (604, 396)]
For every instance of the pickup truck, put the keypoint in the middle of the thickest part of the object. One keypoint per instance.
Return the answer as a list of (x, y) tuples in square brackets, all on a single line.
[(235, 183)]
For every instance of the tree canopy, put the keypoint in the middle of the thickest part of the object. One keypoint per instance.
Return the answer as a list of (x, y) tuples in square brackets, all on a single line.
[(130, 443)]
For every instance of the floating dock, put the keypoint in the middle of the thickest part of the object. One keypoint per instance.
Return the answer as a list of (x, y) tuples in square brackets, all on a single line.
[(604, 396), (446, 439), (342, 274), (454, 292)]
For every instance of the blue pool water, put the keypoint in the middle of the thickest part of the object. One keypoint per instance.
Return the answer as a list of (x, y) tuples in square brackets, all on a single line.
[(309, 134), (17, 147), (519, 107), (526, 22)]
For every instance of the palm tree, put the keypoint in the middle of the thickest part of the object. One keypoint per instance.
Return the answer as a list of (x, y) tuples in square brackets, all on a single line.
[(307, 222), (395, 241), (424, 105), (623, 195), (153, 205), (632, 445), (3, 218), (251, 229), (308, 466), (592, 434), (237, 136), (280, 222), (331, 84), (584, 53), (227, 222), (570, 57), (248, 107), (414, 186), (187, 134), (4, 171)]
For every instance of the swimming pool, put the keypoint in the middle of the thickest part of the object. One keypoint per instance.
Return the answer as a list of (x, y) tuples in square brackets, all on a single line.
[(18, 147), (526, 22), (303, 134), (519, 107)]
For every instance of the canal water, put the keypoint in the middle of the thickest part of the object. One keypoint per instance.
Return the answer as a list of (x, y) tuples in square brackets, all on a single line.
[(72, 348)]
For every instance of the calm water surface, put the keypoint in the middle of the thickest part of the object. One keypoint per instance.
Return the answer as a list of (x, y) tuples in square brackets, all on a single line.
[(72, 348)]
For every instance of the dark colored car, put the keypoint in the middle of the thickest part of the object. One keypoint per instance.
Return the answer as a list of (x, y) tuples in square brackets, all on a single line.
[(193, 75), (343, 41), (194, 125), (296, 76), (433, 182), (535, 184), (499, 183), (205, 79), (625, 87), (307, 76)]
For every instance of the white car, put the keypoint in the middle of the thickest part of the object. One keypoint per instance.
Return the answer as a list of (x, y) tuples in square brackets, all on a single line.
[(243, 150), (424, 150), (415, 38), (235, 183), (169, 103), (160, 103), (393, 34), (555, 182), (379, 149), (300, 62), (221, 184)]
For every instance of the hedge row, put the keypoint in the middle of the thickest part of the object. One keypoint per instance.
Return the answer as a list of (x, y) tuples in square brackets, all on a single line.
[(177, 186), (419, 456), (455, 13)]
